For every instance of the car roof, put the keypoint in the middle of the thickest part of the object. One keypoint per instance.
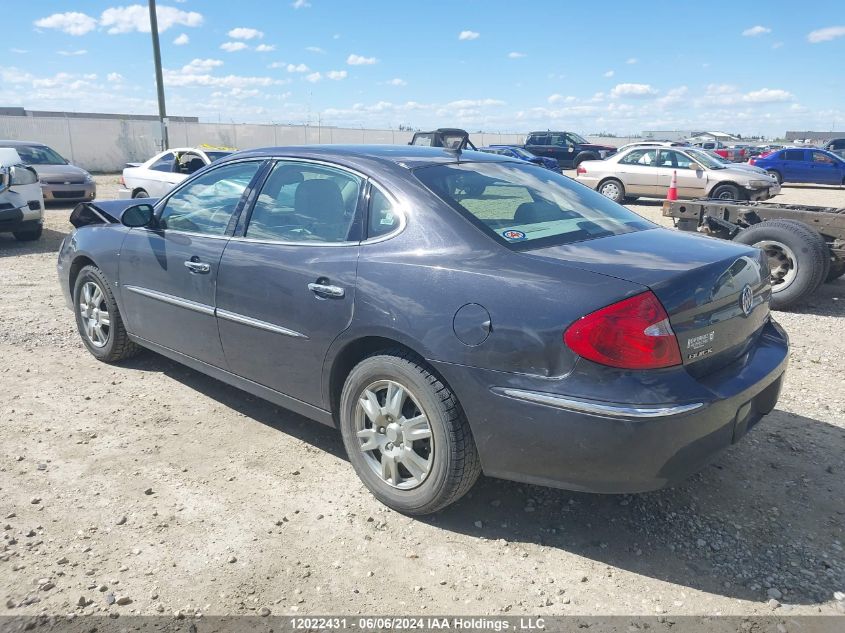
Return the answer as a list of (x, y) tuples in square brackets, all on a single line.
[(407, 156), (21, 144)]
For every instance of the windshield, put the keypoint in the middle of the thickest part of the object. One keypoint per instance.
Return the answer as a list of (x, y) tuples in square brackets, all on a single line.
[(39, 155), (213, 156), (525, 206), (578, 138), (706, 159), (526, 155)]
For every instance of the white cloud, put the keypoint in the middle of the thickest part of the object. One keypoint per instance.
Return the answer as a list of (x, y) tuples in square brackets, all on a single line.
[(18, 51), (397, 82), (756, 31), (720, 89), (633, 90), (469, 35), (232, 47), (80, 51), (115, 77), (777, 45), (474, 103), (336, 75), (200, 66), (516, 55), (181, 40), (556, 98), (315, 49), (300, 4), (609, 73), (245, 33), (265, 48), (767, 95), (297, 68), (136, 17), (673, 96), (192, 75), (314, 77), (631, 60), (825, 34), (73, 23), (360, 60)]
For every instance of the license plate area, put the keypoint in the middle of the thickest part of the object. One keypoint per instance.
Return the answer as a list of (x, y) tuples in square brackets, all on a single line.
[(753, 411)]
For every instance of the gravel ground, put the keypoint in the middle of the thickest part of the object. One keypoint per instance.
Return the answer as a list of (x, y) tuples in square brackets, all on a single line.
[(150, 488)]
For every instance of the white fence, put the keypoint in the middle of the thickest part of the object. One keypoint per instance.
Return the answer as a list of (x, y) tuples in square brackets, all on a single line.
[(106, 144)]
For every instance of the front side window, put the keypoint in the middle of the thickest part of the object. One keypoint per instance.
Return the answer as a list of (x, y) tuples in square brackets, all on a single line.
[(164, 163), (205, 205), (577, 139), (305, 202), (676, 160), (558, 139), (818, 157), (524, 206), (642, 157)]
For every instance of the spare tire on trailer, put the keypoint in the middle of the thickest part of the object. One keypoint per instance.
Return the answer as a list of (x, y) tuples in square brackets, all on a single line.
[(798, 258)]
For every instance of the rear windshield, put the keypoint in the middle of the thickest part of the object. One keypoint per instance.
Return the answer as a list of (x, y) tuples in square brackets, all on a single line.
[(525, 206)]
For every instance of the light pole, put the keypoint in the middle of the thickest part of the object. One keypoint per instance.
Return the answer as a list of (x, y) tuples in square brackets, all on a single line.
[(162, 110)]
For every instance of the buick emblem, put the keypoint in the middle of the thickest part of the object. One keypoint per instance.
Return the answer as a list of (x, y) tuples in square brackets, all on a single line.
[(746, 300)]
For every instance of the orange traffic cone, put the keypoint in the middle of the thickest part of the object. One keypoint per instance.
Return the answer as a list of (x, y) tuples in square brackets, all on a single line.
[(672, 194)]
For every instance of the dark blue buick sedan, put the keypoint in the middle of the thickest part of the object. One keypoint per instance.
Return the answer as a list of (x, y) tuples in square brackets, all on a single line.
[(452, 313)]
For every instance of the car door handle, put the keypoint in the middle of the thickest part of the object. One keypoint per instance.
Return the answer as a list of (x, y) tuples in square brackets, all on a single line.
[(325, 290), (197, 267)]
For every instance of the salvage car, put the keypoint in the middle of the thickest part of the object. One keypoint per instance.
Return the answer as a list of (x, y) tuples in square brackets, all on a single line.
[(21, 200), (801, 165), (60, 181), (159, 174), (517, 152), (648, 171), (533, 330)]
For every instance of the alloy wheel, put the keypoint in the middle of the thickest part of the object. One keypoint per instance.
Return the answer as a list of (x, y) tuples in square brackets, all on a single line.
[(94, 311), (394, 434), (610, 190)]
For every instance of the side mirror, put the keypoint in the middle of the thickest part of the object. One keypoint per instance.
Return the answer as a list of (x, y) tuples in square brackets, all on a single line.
[(22, 175), (138, 215)]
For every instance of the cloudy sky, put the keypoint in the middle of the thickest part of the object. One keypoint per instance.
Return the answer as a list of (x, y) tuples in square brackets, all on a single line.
[(496, 65)]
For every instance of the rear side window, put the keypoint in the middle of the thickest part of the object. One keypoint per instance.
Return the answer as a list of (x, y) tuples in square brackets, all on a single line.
[(538, 139), (524, 206), (305, 202), (383, 217), (792, 154), (642, 157), (165, 163)]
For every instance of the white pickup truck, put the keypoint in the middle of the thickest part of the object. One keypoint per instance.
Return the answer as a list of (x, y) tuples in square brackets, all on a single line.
[(21, 200)]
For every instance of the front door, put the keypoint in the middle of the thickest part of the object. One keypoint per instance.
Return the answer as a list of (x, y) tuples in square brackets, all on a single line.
[(286, 287), (824, 169), (168, 272), (691, 178)]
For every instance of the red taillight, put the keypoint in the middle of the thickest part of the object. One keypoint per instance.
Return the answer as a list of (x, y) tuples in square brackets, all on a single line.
[(581, 170), (632, 334), (751, 161)]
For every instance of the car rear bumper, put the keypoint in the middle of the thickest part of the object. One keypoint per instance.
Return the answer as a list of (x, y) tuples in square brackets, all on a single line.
[(529, 431), (69, 193)]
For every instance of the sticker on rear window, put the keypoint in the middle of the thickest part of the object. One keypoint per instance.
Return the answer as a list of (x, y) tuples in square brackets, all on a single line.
[(514, 235)]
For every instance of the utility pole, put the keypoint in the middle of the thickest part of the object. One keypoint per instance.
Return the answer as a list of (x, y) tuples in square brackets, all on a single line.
[(162, 110)]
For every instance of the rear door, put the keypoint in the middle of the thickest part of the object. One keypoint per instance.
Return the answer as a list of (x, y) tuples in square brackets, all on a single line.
[(286, 287), (168, 274), (638, 172), (795, 168)]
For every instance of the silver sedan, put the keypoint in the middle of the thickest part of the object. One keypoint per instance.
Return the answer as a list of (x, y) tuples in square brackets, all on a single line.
[(647, 171)]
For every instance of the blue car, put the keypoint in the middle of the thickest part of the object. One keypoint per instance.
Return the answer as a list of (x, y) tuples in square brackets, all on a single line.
[(797, 164), (512, 151), (450, 312)]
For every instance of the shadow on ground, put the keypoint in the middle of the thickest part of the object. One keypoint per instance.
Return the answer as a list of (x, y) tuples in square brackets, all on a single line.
[(48, 243), (768, 513)]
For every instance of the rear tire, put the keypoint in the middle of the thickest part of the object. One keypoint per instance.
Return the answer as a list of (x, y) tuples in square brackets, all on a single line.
[(797, 259), (725, 192), (106, 338), (413, 475), (612, 189), (140, 193), (29, 235)]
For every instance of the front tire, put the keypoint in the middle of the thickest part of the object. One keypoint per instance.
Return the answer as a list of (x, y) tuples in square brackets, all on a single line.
[(30, 235), (776, 174), (98, 318), (406, 434), (612, 189), (725, 192), (797, 258)]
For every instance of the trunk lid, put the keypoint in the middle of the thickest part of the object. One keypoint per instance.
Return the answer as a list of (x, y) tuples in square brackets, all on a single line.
[(700, 281)]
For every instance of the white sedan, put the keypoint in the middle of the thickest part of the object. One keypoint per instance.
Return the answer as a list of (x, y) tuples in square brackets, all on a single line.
[(165, 170)]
